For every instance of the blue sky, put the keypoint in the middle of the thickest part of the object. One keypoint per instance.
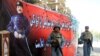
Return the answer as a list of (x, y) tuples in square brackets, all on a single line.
[(87, 12)]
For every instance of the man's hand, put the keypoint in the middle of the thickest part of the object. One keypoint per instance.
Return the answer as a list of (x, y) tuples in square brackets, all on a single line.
[(92, 49), (16, 34)]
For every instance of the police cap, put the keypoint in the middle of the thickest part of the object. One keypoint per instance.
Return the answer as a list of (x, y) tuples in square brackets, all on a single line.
[(19, 3)]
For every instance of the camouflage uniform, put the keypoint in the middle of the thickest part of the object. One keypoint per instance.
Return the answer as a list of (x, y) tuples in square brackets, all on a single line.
[(87, 38), (56, 51)]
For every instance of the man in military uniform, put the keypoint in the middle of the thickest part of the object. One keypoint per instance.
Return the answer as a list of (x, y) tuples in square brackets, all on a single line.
[(56, 40), (87, 38), (19, 26)]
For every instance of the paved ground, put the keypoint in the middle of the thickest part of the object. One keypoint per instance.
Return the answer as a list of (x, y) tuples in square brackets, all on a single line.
[(95, 52)]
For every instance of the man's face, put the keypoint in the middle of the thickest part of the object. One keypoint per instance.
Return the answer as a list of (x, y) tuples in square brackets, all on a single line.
[(57, 29), (86, 29), (19, 9)]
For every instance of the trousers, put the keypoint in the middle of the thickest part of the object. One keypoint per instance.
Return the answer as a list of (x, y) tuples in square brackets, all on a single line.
[(86, 49), (56, 52)]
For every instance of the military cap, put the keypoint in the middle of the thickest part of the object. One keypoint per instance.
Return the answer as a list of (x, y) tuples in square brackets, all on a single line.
[(56, 26), (86, 27)]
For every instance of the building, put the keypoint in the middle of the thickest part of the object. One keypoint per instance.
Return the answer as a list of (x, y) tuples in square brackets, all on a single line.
[(55, 5)]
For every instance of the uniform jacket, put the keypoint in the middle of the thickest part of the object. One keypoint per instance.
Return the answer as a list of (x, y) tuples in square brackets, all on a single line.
[(18, 23)]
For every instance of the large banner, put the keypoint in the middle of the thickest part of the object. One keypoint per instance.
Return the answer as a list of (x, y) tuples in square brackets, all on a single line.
[(41, 24)]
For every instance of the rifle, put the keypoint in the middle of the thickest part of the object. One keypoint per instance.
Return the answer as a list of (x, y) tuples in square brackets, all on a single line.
[(90, 42), (91, 45), (57, 45)]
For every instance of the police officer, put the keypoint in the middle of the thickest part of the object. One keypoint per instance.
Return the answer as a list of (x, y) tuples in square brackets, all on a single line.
[(19, 26), (56, 40), (87, 38)]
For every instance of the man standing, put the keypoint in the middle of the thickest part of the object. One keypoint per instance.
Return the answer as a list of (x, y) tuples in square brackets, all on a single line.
[(56, 40), (19, 26), (87, 37)]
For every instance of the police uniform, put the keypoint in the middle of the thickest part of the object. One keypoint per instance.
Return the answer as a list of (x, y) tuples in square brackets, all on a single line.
[(19, 24)]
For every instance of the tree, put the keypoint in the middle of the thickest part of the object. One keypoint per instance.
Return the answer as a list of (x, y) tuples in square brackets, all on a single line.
[(96, 35)]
